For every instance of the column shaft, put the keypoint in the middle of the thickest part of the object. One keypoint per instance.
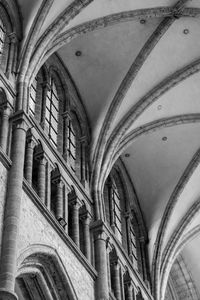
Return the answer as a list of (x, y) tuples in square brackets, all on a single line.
[(129, 292), (75, 224), (87, 241), (116, 281), (102, 291), (28, 167), (59, 199), (48, 190), (42, 179), (12, 212), (10, 59), (4, 129)]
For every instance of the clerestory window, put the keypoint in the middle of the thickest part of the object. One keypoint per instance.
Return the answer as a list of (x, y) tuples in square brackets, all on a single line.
[(2, 37), (51, 114), (71, 145), (32, 99)]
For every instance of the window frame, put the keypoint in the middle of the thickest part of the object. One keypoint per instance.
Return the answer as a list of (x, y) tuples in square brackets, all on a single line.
[(52, 95)]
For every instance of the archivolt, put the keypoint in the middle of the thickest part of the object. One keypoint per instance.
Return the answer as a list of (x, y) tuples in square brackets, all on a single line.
[(42, 265)]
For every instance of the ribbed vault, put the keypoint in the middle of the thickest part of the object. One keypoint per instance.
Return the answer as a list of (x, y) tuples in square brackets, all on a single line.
[(136, 68)]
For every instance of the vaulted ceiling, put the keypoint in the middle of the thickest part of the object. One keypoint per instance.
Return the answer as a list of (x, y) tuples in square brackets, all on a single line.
[(136, 66)]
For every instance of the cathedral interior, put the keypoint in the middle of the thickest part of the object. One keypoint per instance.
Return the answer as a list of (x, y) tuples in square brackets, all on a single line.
[(99, 149)]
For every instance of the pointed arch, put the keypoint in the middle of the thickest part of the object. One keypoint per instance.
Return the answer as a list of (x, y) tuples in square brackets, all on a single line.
[(40, 265)]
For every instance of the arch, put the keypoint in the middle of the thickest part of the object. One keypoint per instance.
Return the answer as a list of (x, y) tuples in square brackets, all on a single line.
[(167, 213), (44, 263)]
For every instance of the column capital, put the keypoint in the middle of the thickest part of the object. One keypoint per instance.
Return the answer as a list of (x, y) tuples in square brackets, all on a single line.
[(83, 139), (20, 121), (127, 279), (85, 216), (30, 139), (142, 239), (13, 37), (41, 157), (66, 115), (99, 230), (74, 200)]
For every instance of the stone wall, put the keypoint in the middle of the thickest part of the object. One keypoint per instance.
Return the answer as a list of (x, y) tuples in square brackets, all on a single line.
[(35, 229)]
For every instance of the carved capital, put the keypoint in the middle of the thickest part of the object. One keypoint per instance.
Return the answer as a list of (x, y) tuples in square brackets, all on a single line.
[(20, 121)]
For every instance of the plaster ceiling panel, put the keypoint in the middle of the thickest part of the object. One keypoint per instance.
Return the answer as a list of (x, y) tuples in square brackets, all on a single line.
[(106, 57), (57, 7), (174, 51), (189, 195), (181, 99), (28, 9), (98, 9), (191, 255), (155, 166)]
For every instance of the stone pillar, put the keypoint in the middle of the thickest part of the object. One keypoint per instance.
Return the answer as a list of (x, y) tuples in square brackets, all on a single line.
[(10, 62), (28, 166), (100, 241), (75, 205), (116, 279), (48, 186), (41, 177), (66, 208), (128, 287), (59, 199), (4, 127), (129, 292), (12, 209), (86, 218)]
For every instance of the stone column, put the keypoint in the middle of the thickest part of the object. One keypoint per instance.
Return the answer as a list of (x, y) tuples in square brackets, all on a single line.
[(12, 209), (116, 279), (100, 241), (41, 177), (28, 166), (75, 222), (4, 127), (86, 218), (48, 186), (59, 199), (75, 206), (66, 208), (10, 62), (128, 287)]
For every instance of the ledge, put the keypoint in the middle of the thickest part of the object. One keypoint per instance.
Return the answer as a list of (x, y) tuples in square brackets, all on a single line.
[(59, 229)]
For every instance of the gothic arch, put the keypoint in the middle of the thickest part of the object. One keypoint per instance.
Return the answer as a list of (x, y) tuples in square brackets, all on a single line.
[(40, 267)]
